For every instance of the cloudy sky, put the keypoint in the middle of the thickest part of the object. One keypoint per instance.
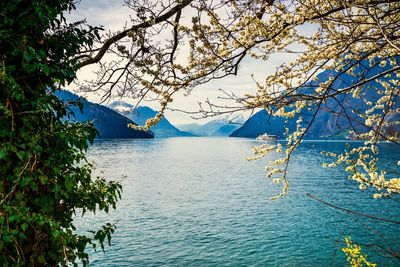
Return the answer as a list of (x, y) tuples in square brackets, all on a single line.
[(113, 15)]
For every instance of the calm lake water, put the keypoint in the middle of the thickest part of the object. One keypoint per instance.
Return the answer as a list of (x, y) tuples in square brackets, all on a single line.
[(198, 202)]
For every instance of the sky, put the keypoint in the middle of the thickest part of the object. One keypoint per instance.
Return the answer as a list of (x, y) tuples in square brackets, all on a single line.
[(113, 15)]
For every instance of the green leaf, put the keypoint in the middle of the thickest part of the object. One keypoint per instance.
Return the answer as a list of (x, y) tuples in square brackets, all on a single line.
[(45, 68), (24, 226), (28, 54), (14, 217), (41, 259), (3, 153), (29, 67)]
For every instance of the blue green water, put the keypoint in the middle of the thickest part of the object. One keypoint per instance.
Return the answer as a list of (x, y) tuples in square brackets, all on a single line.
[(198, 202)]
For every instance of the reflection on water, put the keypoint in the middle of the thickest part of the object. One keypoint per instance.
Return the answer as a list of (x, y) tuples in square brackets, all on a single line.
[(197, 202)]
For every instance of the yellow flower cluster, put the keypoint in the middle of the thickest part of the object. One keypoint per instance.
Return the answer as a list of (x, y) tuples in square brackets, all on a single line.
[(354, 255)]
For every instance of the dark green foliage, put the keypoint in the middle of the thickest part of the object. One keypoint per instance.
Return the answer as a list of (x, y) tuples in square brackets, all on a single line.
[(44, 177)]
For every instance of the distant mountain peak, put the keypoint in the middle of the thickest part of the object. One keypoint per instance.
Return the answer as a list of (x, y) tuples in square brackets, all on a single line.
[(230, 119), (235, 118), (108, 122), (140, 115), (121, 107), (221, 126)]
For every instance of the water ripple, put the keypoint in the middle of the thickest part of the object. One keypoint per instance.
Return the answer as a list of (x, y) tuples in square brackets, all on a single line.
[(197, 202)]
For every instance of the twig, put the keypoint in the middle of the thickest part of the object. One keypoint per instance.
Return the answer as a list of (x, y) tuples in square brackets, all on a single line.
[(352, 211), (16, 184)]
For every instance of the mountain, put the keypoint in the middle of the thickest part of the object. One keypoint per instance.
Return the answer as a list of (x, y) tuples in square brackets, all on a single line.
[(219, 127), (140, 115), (121, 107), (261, 123), (327, 124), (190, 127), (226, 130), (210, 127), (108, 123)]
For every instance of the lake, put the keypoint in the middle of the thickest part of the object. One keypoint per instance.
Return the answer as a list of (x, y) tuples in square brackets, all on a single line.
[(198, 202)]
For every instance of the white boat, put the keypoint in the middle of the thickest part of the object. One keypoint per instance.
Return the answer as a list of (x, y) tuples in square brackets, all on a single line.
[(267, 137)]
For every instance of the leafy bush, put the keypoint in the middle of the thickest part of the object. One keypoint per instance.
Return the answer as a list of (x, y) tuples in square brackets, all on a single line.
[(44, 177)]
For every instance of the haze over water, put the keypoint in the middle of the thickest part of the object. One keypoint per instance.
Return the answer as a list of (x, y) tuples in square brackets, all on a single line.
[(198, 202)]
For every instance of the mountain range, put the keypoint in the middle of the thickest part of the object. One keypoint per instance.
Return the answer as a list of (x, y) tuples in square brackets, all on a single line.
[(112, 121), (108, 123), (140, 115), (329, 122), (219, 127)]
